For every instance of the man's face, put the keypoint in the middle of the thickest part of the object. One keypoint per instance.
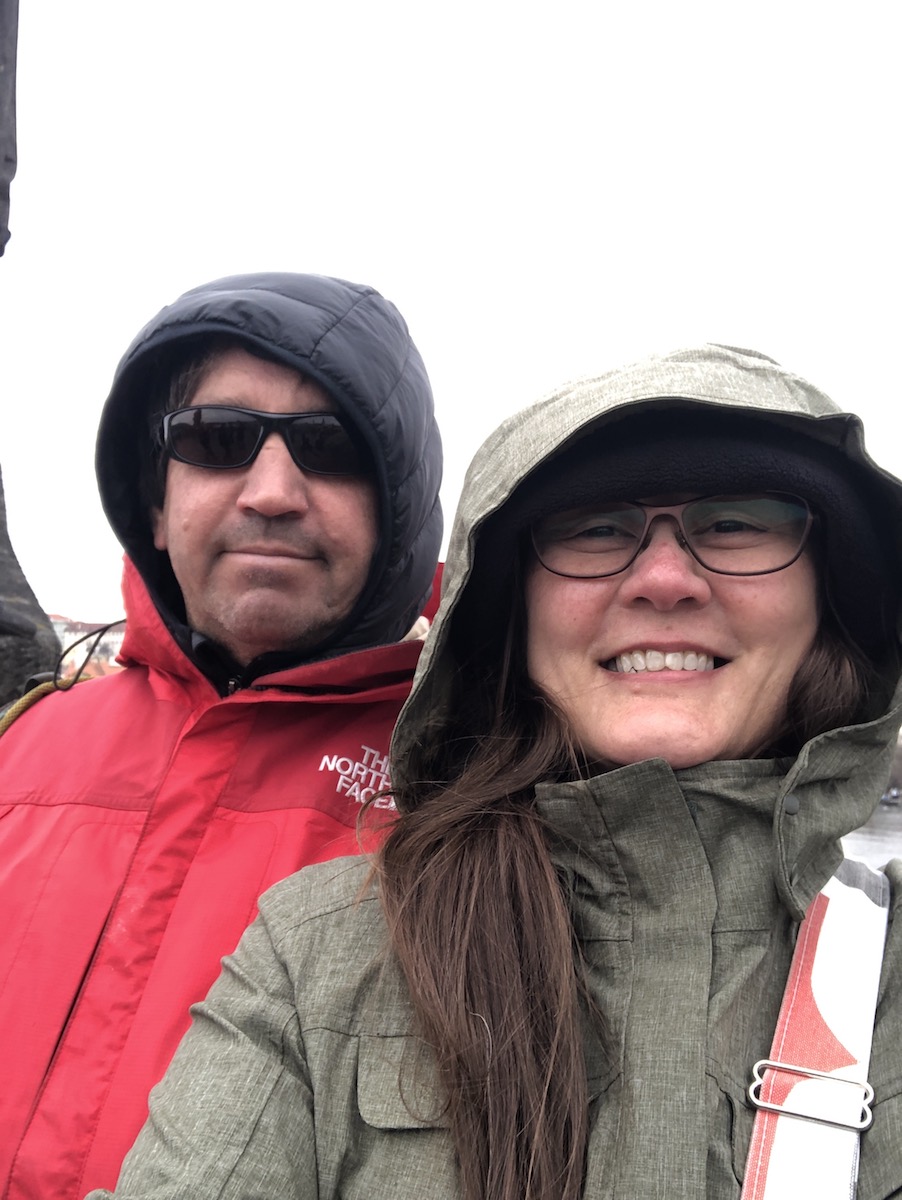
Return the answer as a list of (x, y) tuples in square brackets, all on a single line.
[(268, 557)]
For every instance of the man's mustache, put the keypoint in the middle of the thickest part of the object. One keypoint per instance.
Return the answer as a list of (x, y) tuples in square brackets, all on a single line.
[(270, 535)]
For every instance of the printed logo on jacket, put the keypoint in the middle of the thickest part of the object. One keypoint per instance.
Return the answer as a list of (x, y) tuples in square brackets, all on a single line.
[(358, 774)]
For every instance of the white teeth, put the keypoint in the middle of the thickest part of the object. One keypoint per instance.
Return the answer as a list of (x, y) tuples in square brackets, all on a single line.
[(635, 661)]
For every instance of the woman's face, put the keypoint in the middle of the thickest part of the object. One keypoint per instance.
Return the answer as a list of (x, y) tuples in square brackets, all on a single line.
[(673, 613)]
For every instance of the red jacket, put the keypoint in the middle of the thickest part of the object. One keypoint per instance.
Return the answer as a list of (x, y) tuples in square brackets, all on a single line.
[(147, 793)]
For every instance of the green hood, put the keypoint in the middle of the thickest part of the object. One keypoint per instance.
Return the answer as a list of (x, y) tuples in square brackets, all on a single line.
[(708, 378)]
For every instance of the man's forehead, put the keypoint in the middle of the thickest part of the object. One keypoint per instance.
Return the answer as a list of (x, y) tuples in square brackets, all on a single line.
[(239, 378)]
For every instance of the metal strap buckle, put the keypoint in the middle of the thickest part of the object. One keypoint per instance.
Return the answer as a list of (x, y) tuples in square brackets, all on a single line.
[(769, 1064)]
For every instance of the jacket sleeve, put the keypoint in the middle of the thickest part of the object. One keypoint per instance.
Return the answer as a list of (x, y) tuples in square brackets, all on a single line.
[(233, 1116)]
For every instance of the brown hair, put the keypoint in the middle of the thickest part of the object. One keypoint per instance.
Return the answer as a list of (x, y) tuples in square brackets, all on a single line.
[(480, 921), (836, 685)]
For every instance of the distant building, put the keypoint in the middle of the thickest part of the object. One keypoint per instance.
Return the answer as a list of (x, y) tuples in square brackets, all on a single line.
[(80, 639)]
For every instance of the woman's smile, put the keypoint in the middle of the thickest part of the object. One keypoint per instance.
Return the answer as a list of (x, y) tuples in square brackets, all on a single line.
[(668, 659), (635, 662)]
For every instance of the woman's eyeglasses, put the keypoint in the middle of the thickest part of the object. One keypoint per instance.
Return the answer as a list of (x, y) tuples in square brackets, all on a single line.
[(220, 437), (732, 535)]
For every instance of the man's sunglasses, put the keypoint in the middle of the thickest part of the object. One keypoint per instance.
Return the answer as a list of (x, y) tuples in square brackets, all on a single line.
[(220, 437)]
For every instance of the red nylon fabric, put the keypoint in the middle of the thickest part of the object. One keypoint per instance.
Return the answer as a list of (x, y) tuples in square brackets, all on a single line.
[(141, 816)]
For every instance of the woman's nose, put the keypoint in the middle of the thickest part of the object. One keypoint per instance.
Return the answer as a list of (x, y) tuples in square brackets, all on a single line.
[(664, 572)]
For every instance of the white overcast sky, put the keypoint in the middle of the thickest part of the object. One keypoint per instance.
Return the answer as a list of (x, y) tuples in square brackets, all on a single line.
[(544, 190)]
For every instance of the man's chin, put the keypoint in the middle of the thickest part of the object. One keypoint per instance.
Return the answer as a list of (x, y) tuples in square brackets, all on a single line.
[(268, 632)]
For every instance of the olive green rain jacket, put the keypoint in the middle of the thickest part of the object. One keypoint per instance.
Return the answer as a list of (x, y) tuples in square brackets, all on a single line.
[(301, 1076)]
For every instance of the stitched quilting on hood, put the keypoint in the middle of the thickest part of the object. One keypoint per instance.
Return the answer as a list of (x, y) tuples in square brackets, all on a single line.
[(485, 546), (353, 343)]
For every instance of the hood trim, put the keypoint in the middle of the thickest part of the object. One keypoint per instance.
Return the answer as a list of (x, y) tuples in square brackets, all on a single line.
[(353, 342)]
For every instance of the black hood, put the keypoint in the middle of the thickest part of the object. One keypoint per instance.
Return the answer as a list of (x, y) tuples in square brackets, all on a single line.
[(352, 342)]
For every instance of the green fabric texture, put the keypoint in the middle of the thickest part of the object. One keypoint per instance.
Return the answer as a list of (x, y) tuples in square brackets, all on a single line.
[(718, 377), (302, 1076)]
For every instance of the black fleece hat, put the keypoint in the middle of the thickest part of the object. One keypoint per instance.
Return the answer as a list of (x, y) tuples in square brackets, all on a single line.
[(714, 452)]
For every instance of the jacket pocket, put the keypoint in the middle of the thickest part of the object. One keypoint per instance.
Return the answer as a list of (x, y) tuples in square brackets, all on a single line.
[(399, 1148), (397, 1084)]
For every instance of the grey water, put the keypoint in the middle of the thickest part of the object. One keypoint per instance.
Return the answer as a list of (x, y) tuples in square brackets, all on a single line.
[(879, 840)]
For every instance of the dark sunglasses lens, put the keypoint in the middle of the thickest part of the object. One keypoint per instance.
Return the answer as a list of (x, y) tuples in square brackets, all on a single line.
[(208, 437), (321, 444)]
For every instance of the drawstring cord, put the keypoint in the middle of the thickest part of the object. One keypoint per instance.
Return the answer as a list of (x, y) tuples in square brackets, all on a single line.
[(58, 683)]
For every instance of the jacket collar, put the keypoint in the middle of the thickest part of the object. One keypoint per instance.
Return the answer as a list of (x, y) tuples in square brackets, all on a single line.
[(149, 641), (760, 833)]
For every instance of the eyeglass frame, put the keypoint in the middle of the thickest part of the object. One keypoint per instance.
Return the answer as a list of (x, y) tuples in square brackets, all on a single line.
[(653, 511), (267, 423)]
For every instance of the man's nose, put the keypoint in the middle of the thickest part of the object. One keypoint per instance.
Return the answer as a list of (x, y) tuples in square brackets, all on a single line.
[(274, 484)]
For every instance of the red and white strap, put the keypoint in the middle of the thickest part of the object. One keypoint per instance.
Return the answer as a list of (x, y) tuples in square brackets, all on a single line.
[(812, 1094)]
